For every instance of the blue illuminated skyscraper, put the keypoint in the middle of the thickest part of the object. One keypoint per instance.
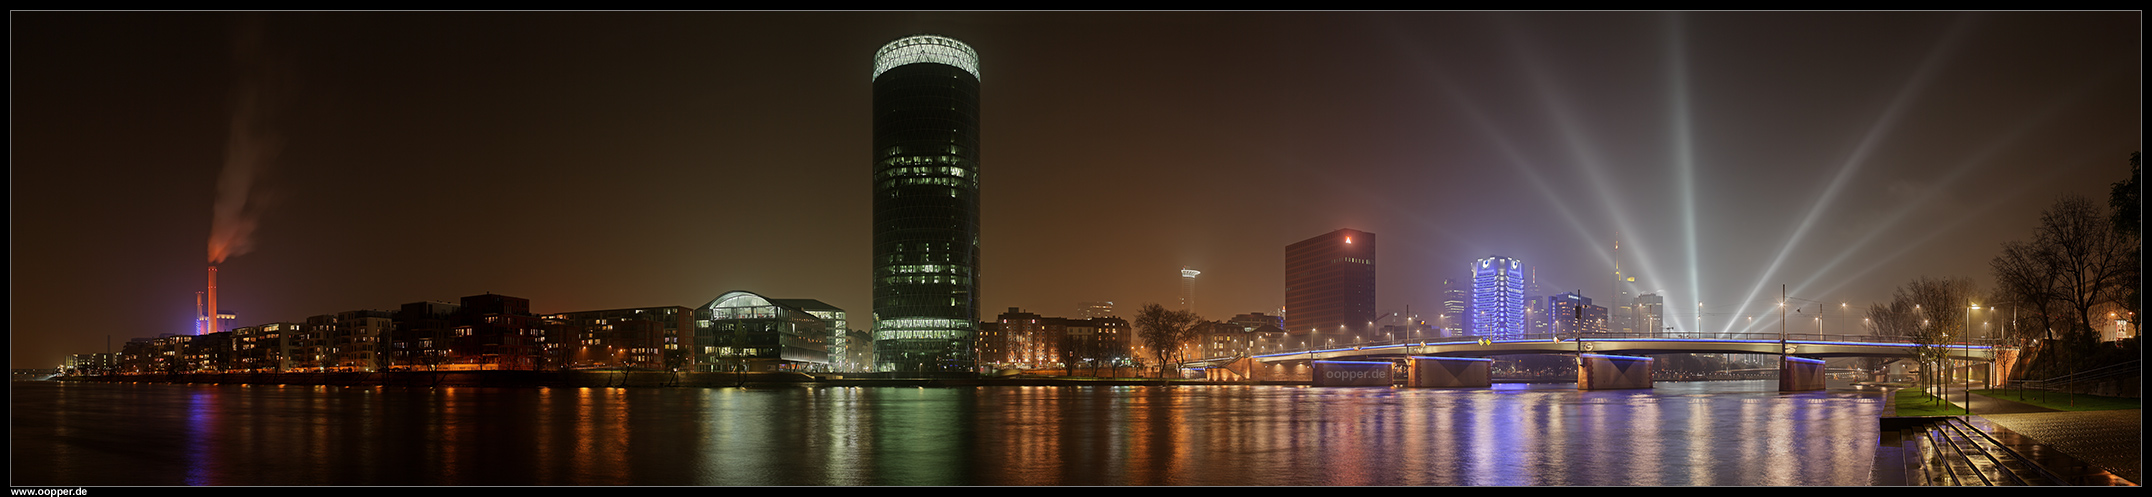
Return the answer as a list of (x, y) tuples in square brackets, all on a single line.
[(1498, 298)]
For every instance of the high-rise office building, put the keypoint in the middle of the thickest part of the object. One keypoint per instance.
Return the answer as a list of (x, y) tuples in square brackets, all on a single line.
[(1498, 298), (1651, 313), (926, 205), (1570, 314), (1330, 286), (1621, 316), (1455, 297), (1094, 309)]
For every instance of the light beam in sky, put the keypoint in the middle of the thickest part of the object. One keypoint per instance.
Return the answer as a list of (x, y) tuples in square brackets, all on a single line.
[(1684, 135), (1884, 123)]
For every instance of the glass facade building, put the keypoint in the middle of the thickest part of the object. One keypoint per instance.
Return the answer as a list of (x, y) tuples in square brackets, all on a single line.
[(742, 331), (840, 350), (1498, 298), (926, 205)]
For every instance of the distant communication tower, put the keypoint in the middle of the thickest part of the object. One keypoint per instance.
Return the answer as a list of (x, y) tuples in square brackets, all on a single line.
[(1188, 288)]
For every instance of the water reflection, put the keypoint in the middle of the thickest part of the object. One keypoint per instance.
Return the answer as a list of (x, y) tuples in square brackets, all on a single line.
[(1711, 433), (200, 405)]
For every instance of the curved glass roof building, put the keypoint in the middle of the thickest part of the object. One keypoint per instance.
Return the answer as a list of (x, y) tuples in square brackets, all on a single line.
[(743, 331), (926, 205)]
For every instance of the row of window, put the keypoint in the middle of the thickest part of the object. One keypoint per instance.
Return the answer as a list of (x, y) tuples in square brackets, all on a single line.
[(926, 280), (939, 165), (928, 181), (927, 269)]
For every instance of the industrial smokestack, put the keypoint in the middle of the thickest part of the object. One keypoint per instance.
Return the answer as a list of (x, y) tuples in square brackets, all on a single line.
[(199, 328), (212, 324)]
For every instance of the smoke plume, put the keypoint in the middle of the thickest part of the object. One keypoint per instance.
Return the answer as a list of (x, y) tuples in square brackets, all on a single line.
[(259, 88)]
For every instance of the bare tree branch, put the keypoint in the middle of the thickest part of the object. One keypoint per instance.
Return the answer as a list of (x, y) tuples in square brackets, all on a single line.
[(1165, 331)]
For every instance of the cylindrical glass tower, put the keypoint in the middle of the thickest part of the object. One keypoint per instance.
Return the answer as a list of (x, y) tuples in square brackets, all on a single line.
[(926, 205)]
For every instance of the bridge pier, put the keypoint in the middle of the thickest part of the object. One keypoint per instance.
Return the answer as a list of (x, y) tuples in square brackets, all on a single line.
[(1278, 371), (1352, 373), (1450, 372), (1800, 374), (1612, 372)]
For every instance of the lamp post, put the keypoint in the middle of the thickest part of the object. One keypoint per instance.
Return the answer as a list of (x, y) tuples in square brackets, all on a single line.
[(1846, 311), (1967, 335)]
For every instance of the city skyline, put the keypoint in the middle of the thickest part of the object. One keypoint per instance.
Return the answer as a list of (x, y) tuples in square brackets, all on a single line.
[(596, 161)]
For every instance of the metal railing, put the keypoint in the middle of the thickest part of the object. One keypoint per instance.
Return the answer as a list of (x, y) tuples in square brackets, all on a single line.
[(2064, 382)]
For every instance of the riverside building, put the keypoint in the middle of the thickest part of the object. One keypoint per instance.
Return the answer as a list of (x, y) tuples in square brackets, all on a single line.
[(926, 205), (1330, 287)]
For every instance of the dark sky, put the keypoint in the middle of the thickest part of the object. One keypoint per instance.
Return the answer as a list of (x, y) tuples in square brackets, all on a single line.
[(605, 160)]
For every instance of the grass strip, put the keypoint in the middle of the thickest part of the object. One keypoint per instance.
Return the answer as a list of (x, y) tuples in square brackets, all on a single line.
[(1914, 402)]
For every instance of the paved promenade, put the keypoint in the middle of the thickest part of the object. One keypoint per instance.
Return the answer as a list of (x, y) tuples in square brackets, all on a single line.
[(2089, 448)]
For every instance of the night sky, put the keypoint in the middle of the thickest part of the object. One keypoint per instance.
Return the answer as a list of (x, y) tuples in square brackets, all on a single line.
[(592, 161)]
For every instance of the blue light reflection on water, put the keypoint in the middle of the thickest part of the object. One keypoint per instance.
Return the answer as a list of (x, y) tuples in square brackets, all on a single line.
[(1699, 433), (201, 410)]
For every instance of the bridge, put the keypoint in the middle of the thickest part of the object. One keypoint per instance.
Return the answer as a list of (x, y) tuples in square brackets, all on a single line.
[(1801, 370)]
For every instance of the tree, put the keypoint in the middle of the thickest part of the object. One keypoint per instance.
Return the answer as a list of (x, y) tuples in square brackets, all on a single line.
[(2081, 257), (1165, 331), (1930, 312), (2026, 280), (2093, 262), (1066, 347), (2124, 197)]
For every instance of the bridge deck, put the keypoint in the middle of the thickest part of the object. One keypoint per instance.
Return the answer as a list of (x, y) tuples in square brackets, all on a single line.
[(1810, 348)]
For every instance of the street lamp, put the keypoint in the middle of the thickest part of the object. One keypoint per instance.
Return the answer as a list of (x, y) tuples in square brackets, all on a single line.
[(1966, 334), (1847, 311)]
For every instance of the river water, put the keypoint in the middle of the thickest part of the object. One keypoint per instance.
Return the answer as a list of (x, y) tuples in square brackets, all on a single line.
[(1680, 433)]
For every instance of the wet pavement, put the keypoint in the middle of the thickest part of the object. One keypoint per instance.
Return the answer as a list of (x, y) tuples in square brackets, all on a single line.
[(2086, 448)]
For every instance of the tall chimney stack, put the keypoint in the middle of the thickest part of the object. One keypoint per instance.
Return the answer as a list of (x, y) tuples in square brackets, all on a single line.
[(200, 328), (213, 325)]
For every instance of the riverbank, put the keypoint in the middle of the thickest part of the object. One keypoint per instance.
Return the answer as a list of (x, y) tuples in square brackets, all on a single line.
[(2085, 446), (2091, 440)]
